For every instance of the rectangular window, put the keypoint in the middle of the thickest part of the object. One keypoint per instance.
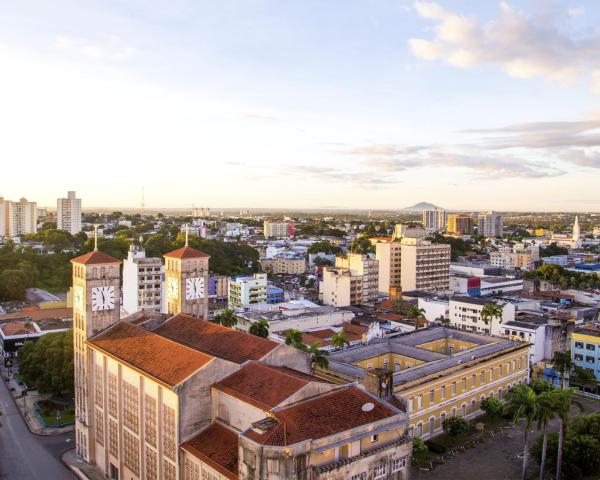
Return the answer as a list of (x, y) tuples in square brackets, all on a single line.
[(249, 458), (453, 388), (443, 392), (169, 440), (473, 381), (578, 344), (150, 419), (589, 359), (590, 347), (380, 471), (273, 465), (99, 427), (374, 438), (99, 384), (398, 464), (431, 395), (482, 378), (359, 476), (131, 452), (150, 464), (491, 374), (130, 407), (464, 384), (113, 438), (112, 395)]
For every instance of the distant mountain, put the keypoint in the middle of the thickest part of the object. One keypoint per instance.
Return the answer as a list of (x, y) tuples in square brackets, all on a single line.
[(419, 207)]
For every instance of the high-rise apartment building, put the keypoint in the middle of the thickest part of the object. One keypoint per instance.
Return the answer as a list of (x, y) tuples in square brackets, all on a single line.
[(277, 229), (490, 225), (17, 218), (434, 220), (143, 282), (425, 265), (459, 224), (389, 255), (68, 213), (353, 281), (245, 292)]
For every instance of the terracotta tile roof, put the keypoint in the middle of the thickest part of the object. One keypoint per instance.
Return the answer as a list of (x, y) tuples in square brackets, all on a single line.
[(186, 252), (352, 328), (92, 258), (16, 328), (215, 340), (264, 386), (159, 357), (218, 447), (37, 314), (320, 417)]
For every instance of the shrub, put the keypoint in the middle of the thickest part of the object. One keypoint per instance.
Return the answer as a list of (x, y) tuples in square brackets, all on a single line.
[(435, 447), (456, 426), (419, 446), (492, 406)]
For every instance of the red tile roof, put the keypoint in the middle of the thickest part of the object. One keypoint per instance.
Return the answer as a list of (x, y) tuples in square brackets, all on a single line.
[(215, 340), (36, 314), (321, 416), (186, 252), (264, 386), (16, 328), (218, 447), (161, 358), (92, 258)]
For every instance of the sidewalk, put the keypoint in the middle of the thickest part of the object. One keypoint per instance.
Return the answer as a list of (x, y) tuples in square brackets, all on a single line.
[(26, 407), (79, 468)]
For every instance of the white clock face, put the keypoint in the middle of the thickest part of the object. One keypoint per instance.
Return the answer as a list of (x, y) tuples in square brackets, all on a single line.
[(173, 288), (194, 288), (103, 298), (78, 298)]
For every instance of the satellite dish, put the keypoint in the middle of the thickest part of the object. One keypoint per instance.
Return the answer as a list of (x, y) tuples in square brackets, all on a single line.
[(367, 407)]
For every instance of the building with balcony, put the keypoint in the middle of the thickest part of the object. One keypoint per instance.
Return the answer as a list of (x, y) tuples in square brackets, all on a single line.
[(465, 314), (425, 265), (277, 229), (585, 348), (68, 213), (490, 225), (143, 282), (435, 220), (17, 218), (247, 291), (283, 264), (459, 224), (353, 281)]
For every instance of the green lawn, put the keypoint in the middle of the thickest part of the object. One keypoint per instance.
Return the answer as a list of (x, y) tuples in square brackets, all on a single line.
[(67, 416), (47, 410)]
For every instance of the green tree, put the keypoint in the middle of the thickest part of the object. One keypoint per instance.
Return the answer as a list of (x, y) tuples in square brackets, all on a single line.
[(563, 363), (324, 247), (226, 318), (522, 405), (362, 245), (294, 338), (416, 313), (489, 312), (339, 340), (318, 357), (398, 305), (562, 403), (583, 377), (260, 328), (456, 426), (492, 406), (419, 446), (48, 363), (545, 412), (13, 284)]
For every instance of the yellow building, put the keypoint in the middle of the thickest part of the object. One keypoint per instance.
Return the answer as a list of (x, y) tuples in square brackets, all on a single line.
[(283, 265), (435, 373), (459, 224)]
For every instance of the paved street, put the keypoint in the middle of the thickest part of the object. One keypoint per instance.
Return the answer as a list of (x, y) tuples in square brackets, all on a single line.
[(24, 455)]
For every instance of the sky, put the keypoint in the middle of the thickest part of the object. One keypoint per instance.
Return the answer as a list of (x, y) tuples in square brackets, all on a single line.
[(374, 104)]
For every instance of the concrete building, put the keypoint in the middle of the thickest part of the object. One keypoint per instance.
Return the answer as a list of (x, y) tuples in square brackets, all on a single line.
[(484, 286), (474, 269), (465, 314), (435, 220), (585, 348), (353, 281), (218, 287), (284, 264), (517, 257), (574, 241), (490, 225), (408, 231), (178, 397), (68, 213), (245, 292), (143, 282), (276, 229), (459, 224), (389, 255), (433, 374), (425, 265), (17, 218), (562, 260)]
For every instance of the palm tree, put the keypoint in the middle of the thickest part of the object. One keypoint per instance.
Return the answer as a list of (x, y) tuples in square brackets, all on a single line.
[(318, 358), (294, 338), (489, 312), (562, 403), (545, 413), (563, 363), (416, 313), (260, 328), (226, 318), (522, 404), (339, 340)]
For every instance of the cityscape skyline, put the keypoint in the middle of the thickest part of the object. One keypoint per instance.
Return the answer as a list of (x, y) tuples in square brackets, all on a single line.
[(395, 109)]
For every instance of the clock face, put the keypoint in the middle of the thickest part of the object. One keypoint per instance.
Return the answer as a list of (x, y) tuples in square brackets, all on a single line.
[(173, 288), (78, 302), (194, 288), (103, 298)]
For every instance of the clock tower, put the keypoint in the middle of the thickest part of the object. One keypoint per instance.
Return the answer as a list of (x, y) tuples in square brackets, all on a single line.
[(187, 281), (96, 306)]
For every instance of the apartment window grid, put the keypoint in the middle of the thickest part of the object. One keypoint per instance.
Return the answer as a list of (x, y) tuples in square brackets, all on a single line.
[(131, 407), (380, 471), (112, 395), (150, 464), (99, 384), (131, 452), (99, 427), (169, 441), (113, 438), (150, 419), (399, 463)]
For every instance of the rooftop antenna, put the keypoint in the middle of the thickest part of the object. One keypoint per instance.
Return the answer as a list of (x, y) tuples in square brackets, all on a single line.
[(95, 238), (187, 232)]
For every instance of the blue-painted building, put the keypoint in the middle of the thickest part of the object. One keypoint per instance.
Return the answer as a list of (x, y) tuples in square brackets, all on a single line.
[(275, 294), (585, 348)]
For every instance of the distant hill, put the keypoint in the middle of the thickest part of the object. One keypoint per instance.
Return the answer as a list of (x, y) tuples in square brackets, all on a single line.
[(419, 207)]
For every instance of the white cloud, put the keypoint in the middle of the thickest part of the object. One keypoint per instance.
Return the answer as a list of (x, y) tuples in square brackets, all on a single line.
[(523, 46), (575, 11), (112, 49)]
